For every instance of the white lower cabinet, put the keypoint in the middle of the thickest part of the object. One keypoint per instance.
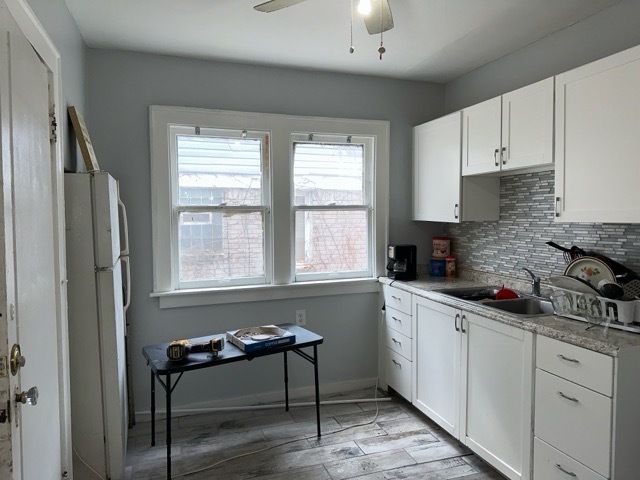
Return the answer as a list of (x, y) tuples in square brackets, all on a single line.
[(551, 464), (396, 343), (473, 377), (496, 400), (436, 376)]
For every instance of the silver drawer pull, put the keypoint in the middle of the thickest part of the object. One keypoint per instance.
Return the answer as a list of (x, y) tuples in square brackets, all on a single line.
[(396, 298), (396, 341), (397, 319), (567, 397), (397, 364), (567, 359), (566, 472)]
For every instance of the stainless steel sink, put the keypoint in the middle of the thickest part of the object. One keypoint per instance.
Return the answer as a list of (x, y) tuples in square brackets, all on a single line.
[(526, 307), (473, 294)]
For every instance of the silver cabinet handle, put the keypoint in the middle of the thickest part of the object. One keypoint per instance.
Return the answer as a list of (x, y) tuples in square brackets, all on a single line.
[(456, 213), (397, 364), (455, 322), (556, 210), (567, 397), (567, 359), (396, 341), (503, 155), (396, 298), (566, 472), (495, 157), (397, 319), (464, 317)]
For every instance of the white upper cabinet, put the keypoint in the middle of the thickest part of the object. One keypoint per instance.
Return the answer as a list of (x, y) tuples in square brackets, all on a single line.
[(598, 141), (439, 192), (511, 132), (436, 170), (527, 126), (481, 137)]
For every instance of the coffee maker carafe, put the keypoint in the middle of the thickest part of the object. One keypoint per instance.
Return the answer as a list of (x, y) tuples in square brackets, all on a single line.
[(401, 264)]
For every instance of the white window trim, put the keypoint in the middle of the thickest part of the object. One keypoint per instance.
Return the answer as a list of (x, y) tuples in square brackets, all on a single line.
[(280, 128)]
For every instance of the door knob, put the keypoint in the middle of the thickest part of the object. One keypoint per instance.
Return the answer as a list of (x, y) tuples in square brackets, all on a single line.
[(30, 397), (16, 360)]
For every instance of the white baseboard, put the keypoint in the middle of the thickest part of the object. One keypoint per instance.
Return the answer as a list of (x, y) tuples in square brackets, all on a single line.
[(276, 396)]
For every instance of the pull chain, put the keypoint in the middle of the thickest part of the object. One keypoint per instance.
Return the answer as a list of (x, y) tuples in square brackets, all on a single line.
[(381, 50), (351, 47)]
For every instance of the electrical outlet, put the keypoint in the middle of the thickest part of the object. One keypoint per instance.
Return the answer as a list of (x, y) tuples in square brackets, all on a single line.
[(301, 317)]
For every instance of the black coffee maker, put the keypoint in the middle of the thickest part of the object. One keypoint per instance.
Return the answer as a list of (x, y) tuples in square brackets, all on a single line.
[(401, 262)]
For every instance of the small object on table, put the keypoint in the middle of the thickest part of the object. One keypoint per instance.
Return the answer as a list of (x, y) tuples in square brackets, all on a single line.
[(178, 350), (451, 266), (253, 339), (441, 247), (438, 267)]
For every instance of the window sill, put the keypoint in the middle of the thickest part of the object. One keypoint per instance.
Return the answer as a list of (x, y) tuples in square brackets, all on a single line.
[(258, 293)]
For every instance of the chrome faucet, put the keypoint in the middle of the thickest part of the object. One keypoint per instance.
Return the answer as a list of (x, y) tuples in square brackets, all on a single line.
[(535, 282)]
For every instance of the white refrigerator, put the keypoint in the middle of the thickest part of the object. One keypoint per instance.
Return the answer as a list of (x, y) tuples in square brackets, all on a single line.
[(97, 306)]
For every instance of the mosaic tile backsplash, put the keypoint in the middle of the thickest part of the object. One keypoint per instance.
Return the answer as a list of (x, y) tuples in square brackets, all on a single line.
[(526, 222)]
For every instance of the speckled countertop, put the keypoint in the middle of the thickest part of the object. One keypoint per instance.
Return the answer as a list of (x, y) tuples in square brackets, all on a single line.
[(596, 338)]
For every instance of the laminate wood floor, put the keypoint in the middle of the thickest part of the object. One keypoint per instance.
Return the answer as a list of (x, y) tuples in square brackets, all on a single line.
[(400, 444)]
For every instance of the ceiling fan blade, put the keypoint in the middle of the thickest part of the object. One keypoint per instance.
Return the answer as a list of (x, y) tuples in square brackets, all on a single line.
[(372, 21), (273, 5)]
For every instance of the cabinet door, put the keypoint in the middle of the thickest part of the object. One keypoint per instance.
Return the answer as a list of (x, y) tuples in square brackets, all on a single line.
[(436, 169), (437, 362), (496, 399), (597, 141), (527, 126), (481, 130)]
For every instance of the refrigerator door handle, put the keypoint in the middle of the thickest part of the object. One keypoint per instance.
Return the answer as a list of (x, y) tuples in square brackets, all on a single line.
[(127, 269), (125, 226)]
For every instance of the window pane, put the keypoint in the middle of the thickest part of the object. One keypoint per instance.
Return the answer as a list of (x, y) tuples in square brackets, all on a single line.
[(215, 170), (332, 241), (325, 174), (219, 246)]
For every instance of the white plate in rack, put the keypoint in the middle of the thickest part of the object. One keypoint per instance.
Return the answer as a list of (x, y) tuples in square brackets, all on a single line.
[(590, 269)]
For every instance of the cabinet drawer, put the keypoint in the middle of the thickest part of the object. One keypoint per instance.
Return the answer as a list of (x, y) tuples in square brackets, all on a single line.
[(398, 321), (397, 299), (575, 420), (399, 373), (584, 367), (552, 464), (398, 342)]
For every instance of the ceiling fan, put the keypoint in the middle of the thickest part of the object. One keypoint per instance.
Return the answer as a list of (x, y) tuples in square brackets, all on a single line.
[(376, 13)]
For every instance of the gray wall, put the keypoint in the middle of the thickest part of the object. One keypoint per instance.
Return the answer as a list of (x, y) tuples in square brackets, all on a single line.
[(62, 29), (609, 31), (526, 222), (122, 85)]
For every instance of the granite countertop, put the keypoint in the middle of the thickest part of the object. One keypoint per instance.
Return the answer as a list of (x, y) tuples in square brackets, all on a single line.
[(607, 341)]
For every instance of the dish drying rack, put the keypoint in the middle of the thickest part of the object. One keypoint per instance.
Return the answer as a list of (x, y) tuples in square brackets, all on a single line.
[(597, 310)]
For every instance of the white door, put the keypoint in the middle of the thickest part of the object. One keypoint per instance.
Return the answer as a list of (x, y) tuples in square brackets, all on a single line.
[(527, 126), (597, 141), (496, 400), (436, 170), (481, 131), (28, 181), (437, 362)]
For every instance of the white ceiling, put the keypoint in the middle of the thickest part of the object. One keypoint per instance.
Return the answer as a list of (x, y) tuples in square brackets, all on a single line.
[(435, 40)]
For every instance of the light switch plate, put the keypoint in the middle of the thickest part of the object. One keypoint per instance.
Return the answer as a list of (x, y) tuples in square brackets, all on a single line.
[(301, 317)]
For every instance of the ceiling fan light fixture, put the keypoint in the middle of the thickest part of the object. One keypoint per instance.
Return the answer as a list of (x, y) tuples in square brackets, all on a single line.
[(364, 7)]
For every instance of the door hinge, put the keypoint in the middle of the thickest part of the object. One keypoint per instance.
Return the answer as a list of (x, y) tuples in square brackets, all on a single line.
[(53, 127), (5, 414)]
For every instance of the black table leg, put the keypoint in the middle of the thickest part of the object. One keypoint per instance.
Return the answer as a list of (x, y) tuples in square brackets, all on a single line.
[(315, 371), (153, 409), (286, 383), (168, 403)]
